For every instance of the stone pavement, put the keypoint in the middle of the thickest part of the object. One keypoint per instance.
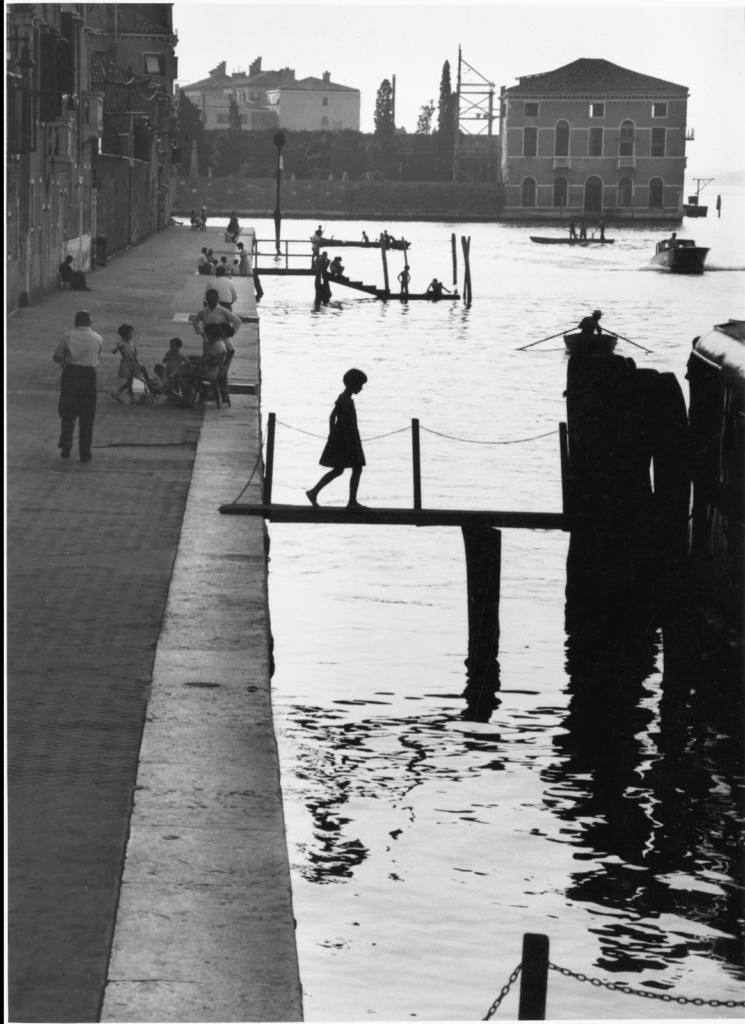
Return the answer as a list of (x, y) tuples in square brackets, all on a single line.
[(91, 551)]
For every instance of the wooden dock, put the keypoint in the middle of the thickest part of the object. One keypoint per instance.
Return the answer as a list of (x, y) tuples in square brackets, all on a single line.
[(359, 286)]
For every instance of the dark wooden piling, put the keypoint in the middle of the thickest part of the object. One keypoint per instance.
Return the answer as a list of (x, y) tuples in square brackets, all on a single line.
[(385, 270), (564, 454), (467, 292), (416, 463), (534, 977), (269, 468), (483, 580), (454, 248)]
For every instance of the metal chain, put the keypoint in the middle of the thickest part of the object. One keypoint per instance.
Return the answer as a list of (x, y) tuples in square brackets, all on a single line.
[(505, 989), (323, 437), (469, 440), (615, 986), (256, 466)]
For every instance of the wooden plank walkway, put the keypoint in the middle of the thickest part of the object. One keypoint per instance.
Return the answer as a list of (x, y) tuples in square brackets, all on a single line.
[(358, 286), (406, 516)]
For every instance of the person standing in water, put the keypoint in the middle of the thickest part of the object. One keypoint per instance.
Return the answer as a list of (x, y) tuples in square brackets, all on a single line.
[(344, 448)]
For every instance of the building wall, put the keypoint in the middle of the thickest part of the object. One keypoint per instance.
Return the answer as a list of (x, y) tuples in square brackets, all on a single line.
[(640, 168), (304, 110)]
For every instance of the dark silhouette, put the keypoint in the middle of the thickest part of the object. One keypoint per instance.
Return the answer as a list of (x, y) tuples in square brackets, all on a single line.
[(234, 228), (78, 352), (572, 230), (404, 277), (590, 325), (336, 269), (582, 230), (75, 278), (436, 288), (601, 228), (344, 448)]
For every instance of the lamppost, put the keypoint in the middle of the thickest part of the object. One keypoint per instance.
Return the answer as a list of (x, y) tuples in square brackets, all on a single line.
[(279, 140)]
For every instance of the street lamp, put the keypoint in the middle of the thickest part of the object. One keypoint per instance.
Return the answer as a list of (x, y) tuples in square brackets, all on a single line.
[(279, 140)]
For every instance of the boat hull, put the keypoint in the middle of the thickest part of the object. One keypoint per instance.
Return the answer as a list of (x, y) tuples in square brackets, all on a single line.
[(330, 243), (598, 345), (688, 260), (571, 241)]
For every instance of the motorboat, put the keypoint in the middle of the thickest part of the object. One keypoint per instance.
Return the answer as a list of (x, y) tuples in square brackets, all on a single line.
[(596, 345), (680, 256), (571, 241)]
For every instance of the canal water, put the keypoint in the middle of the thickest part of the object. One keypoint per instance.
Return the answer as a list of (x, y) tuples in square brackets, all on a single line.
[(424, 845)]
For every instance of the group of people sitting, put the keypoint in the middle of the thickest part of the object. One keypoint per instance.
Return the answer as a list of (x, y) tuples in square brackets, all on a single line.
[(198, 220), (208, 264)]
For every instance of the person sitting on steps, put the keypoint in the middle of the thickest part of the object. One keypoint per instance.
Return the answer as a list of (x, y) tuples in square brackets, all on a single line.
[(75, 278)]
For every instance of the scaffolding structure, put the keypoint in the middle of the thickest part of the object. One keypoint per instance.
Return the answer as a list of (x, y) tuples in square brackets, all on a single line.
[(474, 118)]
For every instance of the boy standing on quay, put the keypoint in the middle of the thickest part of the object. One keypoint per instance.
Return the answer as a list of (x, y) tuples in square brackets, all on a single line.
[(344, 448)]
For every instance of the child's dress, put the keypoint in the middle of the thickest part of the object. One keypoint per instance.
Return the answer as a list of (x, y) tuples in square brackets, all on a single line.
[(129, 366), (344, 448)]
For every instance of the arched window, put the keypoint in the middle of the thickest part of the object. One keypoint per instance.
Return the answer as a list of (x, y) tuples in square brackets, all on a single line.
[(561, 139), (656, 193), (626, 144), (528, 192), (594, 195), (625, 192), (560, 192)]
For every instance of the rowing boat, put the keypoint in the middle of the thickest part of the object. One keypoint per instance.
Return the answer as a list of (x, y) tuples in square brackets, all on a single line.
[(571, 241), (393, 243), (598, 344)]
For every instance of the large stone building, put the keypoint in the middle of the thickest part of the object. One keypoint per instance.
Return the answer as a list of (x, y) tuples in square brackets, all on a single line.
[(89, 135), (592, 138), (268, 99)]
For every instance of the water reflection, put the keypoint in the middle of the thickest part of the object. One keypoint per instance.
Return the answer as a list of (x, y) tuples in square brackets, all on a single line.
[(646, 779)]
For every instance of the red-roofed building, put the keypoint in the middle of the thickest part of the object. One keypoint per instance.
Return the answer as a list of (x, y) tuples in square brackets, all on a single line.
[(594, 139)]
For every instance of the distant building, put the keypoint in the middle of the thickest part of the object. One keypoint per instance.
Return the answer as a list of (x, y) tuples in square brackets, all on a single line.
[(268, 99), (594, 138)]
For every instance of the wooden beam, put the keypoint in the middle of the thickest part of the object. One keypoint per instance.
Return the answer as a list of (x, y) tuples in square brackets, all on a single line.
[(329, 515)]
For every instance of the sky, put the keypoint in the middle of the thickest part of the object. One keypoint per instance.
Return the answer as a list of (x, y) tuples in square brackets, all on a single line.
[(360, 44)]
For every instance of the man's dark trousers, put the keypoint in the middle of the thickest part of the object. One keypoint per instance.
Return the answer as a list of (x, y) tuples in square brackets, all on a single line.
[(77, 400)]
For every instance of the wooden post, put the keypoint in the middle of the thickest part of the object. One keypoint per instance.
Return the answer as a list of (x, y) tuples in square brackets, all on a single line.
[(269, 467), (417, 465), (467, 293), (564, 452), (454, 247), (385, 269), (483, 546), (534, 977)]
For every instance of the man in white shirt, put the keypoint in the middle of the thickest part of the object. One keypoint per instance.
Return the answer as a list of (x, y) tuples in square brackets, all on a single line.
[(203, 264), (226, 293), (214, 314), (78, 351)]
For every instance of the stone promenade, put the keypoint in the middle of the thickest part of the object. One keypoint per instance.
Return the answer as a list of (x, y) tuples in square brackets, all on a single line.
[(148, 876)]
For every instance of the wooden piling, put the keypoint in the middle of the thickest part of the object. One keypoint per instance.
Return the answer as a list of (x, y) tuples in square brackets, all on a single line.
[(269, 467), (467, 293), (533, 977), (416, 463), (385, 270), (483, 581), (454, 248), (564, 454)]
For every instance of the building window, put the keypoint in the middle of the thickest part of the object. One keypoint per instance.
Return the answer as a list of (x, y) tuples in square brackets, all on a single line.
[(597, 110), (223, 118), (658, 142), (626, 143), (625, 192), (530, 141), (656, 193), (659, 110), (528, 192), (560, 192), (530, 110), (561, 139), (594, 195), (324, 122), (595, 147), (325, 101), (155, 64)]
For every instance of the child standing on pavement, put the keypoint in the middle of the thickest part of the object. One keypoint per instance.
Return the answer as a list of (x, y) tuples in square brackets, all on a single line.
[(173, 359), (129, 367), (344, 448)]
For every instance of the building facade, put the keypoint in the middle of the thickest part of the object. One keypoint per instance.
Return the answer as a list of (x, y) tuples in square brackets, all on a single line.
[(594, 139), (78, 168), (269, 99)]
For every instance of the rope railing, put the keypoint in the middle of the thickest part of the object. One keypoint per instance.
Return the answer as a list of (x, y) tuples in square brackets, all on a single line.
[(438, 433)]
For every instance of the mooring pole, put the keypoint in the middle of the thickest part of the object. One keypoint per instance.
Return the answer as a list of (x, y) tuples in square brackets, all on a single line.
[(534, 977), (467, 293), (385, 269), (269, 468), (483, 546), (454, 247), (564, 452), (417, 464)]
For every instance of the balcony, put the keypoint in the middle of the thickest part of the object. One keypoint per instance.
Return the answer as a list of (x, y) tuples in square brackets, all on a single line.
[(629, 162), (562, 163)]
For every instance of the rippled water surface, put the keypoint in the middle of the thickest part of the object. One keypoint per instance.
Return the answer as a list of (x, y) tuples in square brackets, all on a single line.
[(423, 845)]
